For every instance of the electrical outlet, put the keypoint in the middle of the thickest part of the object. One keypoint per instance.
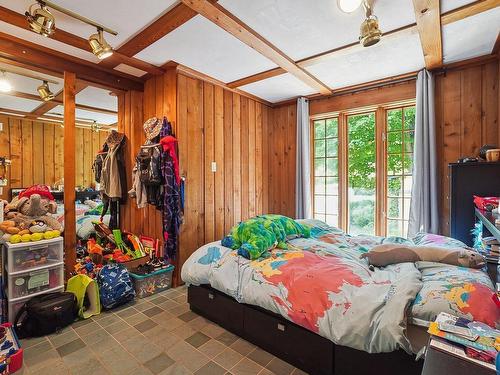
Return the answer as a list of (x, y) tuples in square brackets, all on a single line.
[(214, 167)]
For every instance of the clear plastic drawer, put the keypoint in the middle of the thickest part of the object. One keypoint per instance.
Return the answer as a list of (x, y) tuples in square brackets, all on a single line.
[(33, 255)]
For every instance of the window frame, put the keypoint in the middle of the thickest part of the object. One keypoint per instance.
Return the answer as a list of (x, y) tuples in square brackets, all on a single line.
[(381, 191)]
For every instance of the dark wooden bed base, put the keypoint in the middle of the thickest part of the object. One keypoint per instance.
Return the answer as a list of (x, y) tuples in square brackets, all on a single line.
[(292, 343)]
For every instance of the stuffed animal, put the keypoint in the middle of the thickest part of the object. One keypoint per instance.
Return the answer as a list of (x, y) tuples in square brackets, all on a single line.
[(33, 204), (385, 254)]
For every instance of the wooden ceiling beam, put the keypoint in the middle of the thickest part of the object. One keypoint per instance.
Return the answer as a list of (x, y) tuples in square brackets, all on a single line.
[(428, 16), (244, 33), (57, 101), (44, 59), (48, 106), (19, 20), (468, 10), (256, 77)]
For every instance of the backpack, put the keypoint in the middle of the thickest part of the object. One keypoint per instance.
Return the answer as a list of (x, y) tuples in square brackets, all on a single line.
[(115, 286), (97, 167), (46, 314), (148, 163)]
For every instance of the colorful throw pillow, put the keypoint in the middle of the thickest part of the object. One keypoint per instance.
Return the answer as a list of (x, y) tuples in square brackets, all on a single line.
[(253, 237), (424, 239), (455, 290)]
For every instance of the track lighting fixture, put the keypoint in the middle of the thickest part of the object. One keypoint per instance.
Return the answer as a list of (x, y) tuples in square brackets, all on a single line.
[(370, 33), (99, 46), (41, 21), (5, 85), (349, 6), (44, 92)]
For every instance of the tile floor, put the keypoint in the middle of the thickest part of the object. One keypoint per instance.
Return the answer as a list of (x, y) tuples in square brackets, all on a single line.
[(156, 335)]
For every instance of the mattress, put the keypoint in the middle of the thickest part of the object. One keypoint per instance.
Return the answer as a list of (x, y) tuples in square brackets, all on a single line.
[(322, 284)]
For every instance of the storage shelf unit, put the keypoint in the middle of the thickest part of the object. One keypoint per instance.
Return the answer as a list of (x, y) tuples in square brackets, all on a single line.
[(30, 269)]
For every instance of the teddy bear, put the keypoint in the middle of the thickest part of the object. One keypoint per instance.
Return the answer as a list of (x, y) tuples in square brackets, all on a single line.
[(34, 204)]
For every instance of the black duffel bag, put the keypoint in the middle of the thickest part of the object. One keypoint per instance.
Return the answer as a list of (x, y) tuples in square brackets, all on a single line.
[(46, 314)]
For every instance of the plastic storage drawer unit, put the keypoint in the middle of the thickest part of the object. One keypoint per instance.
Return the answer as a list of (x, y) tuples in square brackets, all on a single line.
[(32, 255), (34, 281), (154, 282)]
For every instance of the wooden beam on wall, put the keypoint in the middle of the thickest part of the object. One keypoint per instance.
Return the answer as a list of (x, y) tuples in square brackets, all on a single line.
[(428, 16), (244, 33), (69, 172), (15, 50), (19, 20), (256, 77)]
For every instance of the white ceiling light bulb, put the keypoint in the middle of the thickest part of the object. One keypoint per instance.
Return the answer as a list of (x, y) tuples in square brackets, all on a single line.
[(5, 85), (349, 6)]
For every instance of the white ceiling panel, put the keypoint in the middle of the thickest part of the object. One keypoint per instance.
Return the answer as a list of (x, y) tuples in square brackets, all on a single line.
[(46, 42), (471, 37), (302, 28), (98, 98), (28, 85), (395, 54), (203, 46), (17, 104), (130, 70), (127, 17), (447, 5), (278, 88), (82, 114)]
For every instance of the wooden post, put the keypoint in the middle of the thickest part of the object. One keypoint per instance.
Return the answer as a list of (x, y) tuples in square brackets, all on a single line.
[(69, 173)]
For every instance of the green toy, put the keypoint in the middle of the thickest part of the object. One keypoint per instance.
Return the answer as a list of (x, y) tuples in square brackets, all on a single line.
[(253, 237)]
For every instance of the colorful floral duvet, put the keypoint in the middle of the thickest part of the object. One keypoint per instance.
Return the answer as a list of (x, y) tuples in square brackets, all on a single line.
[(320, 283)]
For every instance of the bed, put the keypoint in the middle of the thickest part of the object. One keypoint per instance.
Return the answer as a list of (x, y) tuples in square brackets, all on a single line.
[(322, 308)]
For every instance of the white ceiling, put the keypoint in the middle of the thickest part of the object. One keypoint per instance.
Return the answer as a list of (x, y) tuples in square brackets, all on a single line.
[(471, 37), (394, 54), (81, 114), (203, 46), (447, 5), (302, 28), (17, 104), (124, 68), (278, 88), (96, 97), (26, 84), (127, 17)]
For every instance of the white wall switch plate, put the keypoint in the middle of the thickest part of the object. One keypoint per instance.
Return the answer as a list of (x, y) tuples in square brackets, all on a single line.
[(214, 166)]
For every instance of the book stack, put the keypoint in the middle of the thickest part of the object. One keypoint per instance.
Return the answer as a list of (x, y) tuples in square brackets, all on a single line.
[(474, 341), (491, 248)]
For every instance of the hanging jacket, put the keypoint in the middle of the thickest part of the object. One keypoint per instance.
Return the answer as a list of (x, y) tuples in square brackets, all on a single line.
[(138, 190)]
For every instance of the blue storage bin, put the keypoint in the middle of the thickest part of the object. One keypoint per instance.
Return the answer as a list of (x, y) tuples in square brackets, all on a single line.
[(155, 282)]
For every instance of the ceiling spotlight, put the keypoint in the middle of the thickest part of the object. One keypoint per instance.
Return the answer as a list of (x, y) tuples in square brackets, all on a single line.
[(349, 6), (370, 33), (5, 85), (99, 46), (44, 92), (41, 21)]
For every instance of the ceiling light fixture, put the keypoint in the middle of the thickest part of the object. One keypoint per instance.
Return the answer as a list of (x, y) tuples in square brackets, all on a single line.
[(370, 33), (5, 85), (99, 46), (41, 21), (44, 92), (349, 6)]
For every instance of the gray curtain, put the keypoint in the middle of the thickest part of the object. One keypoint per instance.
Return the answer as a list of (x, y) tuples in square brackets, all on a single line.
[(303, 173), (424, 194)]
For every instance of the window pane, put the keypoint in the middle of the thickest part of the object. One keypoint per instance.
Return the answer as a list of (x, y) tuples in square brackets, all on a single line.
[(332, 127), (319, 167), (394, 165), (408, 163), (332, 185), (408, 182), (406, 208), (332, 204), (394, 142), (393, 228), (321, 217), (319, 148), (319, 185), (394, 119), (319, 204), (361, 173), (409, 137), (332, 147), (410, 118), (332, 220), (332, 167), (394, 186), (319, 129), (394, 208)]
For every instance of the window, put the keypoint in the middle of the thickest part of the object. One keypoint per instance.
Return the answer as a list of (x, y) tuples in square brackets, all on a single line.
[(326, 189), (363, 170)]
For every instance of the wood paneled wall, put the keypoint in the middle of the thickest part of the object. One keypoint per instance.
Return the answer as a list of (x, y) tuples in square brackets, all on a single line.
[(36, 151), (467, 102)]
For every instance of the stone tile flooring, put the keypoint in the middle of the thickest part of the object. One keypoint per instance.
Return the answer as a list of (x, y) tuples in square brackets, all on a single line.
[(155, 335)]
